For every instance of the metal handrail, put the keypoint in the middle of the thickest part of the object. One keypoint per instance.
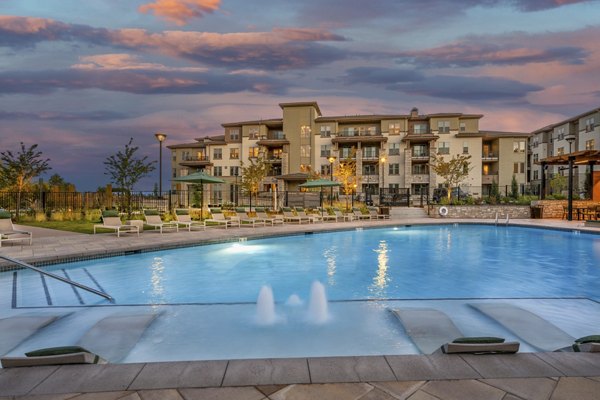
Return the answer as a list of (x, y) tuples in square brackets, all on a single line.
[(58, 277)]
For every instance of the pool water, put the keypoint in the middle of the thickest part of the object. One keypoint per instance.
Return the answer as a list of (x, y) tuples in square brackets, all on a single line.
[(204, 296)]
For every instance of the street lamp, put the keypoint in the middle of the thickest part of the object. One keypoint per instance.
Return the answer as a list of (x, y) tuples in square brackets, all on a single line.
[(570, 138), (161, 138), (382, 160), (331, 160)]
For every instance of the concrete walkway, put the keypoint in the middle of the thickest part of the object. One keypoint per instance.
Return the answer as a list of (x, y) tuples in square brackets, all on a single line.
[(444, 377)]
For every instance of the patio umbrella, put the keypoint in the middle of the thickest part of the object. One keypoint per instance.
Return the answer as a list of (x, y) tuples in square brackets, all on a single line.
[(199, 178), (319, 183)]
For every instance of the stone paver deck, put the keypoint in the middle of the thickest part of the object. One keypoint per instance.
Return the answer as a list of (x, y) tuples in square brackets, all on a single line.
[(553, 376)]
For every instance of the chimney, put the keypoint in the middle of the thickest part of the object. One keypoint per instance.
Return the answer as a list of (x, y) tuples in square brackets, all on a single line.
[(414, 113)]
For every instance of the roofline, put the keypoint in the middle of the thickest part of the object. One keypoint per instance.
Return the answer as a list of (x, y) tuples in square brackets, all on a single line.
[(271, 121), (302, 104), (504, 134), (579, 116)]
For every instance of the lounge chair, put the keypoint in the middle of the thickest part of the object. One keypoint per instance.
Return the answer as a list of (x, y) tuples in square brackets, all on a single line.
[(288, 215), (262, 214), (374, 213), (432, 331), (358, 214), (54, 356), (340, 215), (247, 220), (183, 218), (8, 233), (526, 325), (111, 220), (153, 219), (218, 218), (325, 216), (301, 212)]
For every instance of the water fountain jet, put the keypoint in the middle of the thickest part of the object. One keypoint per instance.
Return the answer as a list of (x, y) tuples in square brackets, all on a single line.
[(317, 306), (265, 307)]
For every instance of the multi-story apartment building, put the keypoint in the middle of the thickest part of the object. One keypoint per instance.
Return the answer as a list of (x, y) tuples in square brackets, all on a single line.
[(390, 151), (552, 140)]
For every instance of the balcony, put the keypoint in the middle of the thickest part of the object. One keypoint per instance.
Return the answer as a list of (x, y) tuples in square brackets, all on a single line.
[(419, 137), (420, 156), (355, 136), (198, 161), (273, 138), (273, 159), (489, 179), (489, 157)]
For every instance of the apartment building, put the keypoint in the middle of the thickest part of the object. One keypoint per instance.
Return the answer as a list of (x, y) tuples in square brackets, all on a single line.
[(579, 134), (390, 151)]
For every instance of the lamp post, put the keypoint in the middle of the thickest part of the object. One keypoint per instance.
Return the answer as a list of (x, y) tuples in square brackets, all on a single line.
[(161, 138), (382, 160), (331, 160), (570, 138)]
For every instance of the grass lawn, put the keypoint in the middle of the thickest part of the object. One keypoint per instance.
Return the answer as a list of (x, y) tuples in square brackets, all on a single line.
[(71, 226)]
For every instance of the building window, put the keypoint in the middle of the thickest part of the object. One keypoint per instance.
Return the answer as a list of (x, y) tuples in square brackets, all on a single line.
[(536, 175), (325, 131), (253, 133), (443, 126), (253, 152), (420, 150), (346, 152), (462, 127), (305, 131), (465, 147), (420, 129), (394, 169), (394, 128), (234, 154), (234, 134), (561, 133), (218, 154), (394, 149), (420, 169), (519, 146), (174, 172), (443, 147), (372, 131), (589, 124), (370, 169), (519, 168), (234, 171), (590, 144), (277, 153), (174, 156), (325, 171), (325, 150), (560, 151), (305, 150), (370, 152), (218, 171), (536, 158)]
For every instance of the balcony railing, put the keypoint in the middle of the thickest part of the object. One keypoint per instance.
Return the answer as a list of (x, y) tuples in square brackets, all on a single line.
[(489, 157), (274, 135), (195, 158), (420, 154), (351, 133)]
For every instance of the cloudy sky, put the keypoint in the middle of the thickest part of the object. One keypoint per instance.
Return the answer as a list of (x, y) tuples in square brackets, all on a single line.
[(81, 77)]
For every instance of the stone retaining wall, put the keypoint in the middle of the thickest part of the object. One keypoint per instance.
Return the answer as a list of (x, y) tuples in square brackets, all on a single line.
[(554, 208), (485, 211)]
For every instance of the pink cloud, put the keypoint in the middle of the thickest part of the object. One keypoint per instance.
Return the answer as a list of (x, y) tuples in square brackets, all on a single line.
[(180, 11)]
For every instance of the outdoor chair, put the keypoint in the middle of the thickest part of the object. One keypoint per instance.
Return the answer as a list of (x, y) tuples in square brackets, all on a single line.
[(247, 220), (358, 214), (111, 220), (301, 212), (8, 231), (183, 218), (340, 215), (218, 218), (153, 219), (325, 216), (374, 213), (262, 214), (288, 215)]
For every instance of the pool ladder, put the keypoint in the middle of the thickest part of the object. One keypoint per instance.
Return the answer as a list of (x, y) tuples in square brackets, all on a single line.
[(58, 277), (505, 221)]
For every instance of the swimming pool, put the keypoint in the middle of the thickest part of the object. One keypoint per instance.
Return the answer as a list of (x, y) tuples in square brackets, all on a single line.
[(207, 293)]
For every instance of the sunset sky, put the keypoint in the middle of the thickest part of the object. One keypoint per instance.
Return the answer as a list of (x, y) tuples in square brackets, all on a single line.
[(80, 77)]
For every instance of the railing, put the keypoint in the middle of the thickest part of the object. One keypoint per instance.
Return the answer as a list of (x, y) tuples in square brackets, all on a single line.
[(195, 158), (273, 135), (352, 133), (58, 277)]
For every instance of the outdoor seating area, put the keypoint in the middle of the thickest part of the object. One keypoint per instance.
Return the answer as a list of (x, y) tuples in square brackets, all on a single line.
[(8, 233), (112, 221)]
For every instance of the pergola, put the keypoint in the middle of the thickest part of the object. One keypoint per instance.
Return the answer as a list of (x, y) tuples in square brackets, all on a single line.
[(583, 157)]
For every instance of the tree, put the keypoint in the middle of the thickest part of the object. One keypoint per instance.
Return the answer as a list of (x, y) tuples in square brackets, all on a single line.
[(17, 170), (345, 172), (253, 174), (514, 188), (558, 183), (454, 171), (125, 170)]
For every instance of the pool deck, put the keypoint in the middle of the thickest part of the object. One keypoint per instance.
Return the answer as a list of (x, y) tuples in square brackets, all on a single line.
[(416, 377)]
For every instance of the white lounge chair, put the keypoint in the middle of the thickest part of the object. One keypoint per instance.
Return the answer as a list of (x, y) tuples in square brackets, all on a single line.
[(262, 214), (288, 215), (183, 218), (111, 220), (218, 218), (247, 220), (358, 214), (374, 213), (340, 215), (153, 219), (8, 233)]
